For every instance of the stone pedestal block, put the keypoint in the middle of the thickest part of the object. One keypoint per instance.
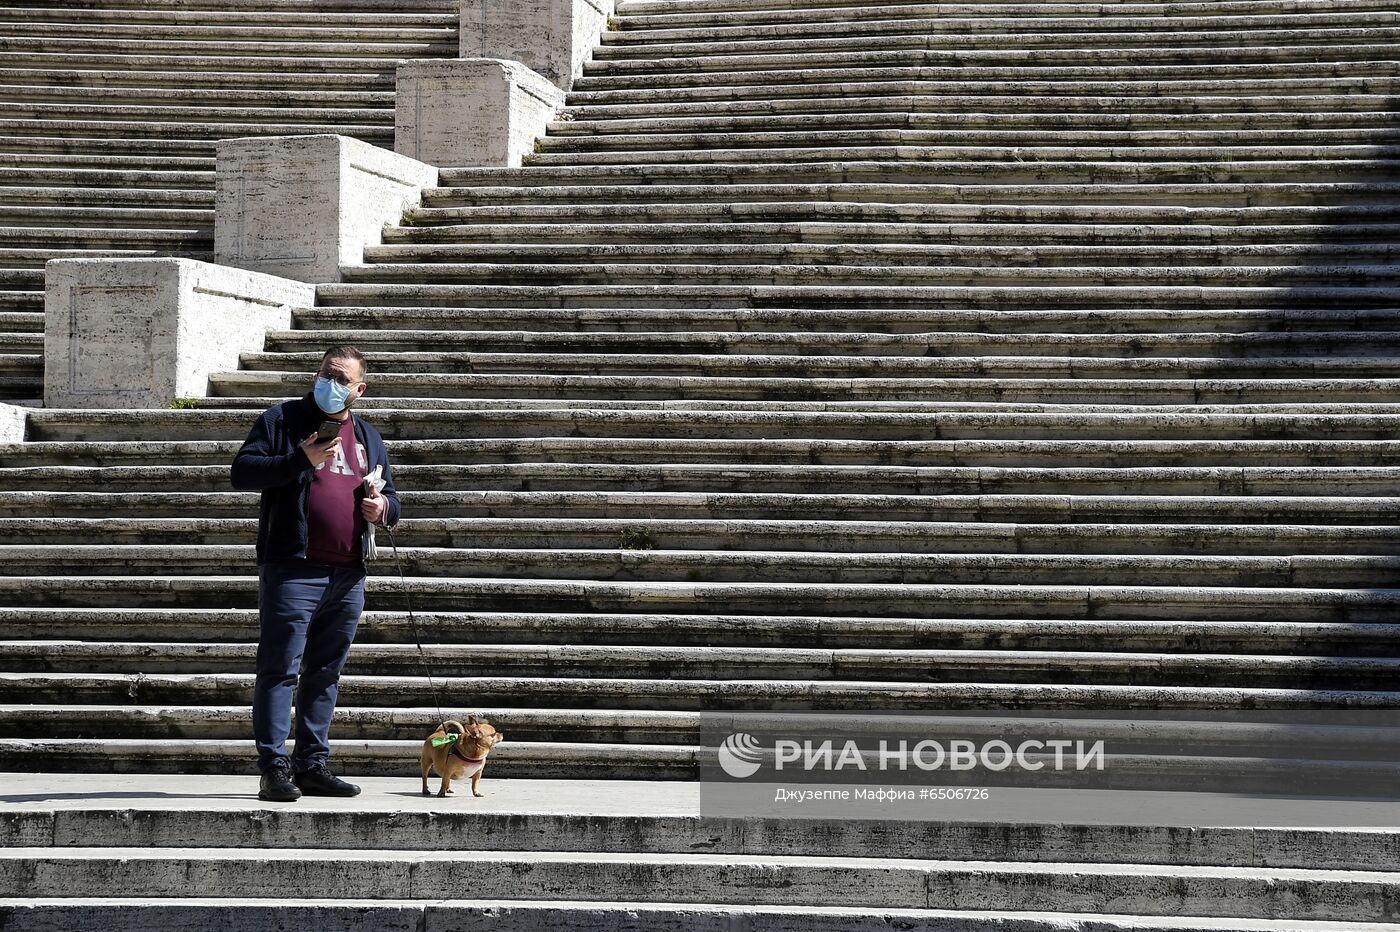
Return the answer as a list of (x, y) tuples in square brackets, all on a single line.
[(139, 333), (13, 421), (553, 37), (303, 206), (471, 112)]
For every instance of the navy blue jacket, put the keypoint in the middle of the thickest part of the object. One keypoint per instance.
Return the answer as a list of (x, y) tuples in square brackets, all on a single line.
[(271, 461)]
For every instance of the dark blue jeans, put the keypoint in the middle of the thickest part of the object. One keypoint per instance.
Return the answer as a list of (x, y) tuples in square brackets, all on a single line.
[(308, 613)]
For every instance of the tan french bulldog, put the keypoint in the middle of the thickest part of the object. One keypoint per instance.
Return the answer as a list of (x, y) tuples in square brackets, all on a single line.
[(456, 752)]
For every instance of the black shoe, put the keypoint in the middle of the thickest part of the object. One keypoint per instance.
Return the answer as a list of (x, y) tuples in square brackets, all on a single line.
[(277, 786), (319, 781)]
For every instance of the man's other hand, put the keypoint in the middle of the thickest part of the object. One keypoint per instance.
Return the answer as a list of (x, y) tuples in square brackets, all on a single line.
[(318, 453), (373, 506)]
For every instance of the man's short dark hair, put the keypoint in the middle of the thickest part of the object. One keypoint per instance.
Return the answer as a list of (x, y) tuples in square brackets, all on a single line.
[(346, 352)]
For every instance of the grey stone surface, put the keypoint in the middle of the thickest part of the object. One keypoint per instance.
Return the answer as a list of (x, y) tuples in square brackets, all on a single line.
[(552, 37), (141, 333), (303, 206), (472, 112), (13, 420)]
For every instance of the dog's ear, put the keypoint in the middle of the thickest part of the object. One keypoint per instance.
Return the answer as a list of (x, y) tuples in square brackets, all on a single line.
[(471, 720)]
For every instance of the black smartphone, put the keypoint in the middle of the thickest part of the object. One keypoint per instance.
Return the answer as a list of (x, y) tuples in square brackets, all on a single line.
[(328, 430)]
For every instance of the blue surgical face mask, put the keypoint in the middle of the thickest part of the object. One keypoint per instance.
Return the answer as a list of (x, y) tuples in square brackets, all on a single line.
[(331, 396)]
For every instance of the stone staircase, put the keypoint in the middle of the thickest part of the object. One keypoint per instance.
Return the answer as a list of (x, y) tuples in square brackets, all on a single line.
[(850, 356), (109, 111)]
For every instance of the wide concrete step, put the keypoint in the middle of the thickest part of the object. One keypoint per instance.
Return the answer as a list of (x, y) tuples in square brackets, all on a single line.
[(127, 217), (779, 490), (213, 58), (847, 102), (1017, 149), (852, 344), (1296, 194), (715, 878), (429, 390), (277, 7), (1304, 49), (174, 131), (524, 815), (84, 114), (119, 95), (1271, 271), (133, 914), (1354, 171), (790, 535), (774, 13), (990, 23), (732, 663), (158, 425), (149, 43), (163, 73), (42, 199), (1365, 603), (1123, 320), (798, 568), (193, 16), (331, 30), (109, 180), (713, 366), (503, 496), (192, 240), (1056, 37), (747, 225), (1087, 297), (1242, 90), (857, 68), (1261, 636)]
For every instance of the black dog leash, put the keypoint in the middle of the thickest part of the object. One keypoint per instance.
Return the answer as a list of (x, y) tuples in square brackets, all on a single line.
[(413, 623)]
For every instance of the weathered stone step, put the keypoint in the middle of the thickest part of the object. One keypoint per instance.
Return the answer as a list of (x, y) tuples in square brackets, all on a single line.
[(182, 132), (1237, 91), (907, 152), (122, 217), (1087, 297), (427, 390), (147, 47), (705, 878), (1367, 603), (746, 225), (120, 95), (990, 23), (1353, 171), (118, 74), (22, 322), (684, 274), (270, 19), (278, 7), (55, 424), (1034, 123), (792, 534), (35, 259), (138, 915), (873, 344), (501, 494), (84, 115), (746, 366), (144, 198), (104, 179), (843, 100), (633, 451), (1282, 61), (1309, 572), (241, 625), (987, 37), (803, 139), (1058, 667), (56, 489), (330, 31), (100, 56), (781, 320), (768, 12), (196, 241), (1256, 194)]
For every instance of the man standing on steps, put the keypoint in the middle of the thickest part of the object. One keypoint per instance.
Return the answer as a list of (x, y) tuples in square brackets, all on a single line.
[(312, 539)]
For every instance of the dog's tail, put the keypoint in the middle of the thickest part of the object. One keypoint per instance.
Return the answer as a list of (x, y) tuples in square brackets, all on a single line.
[(452, 726)]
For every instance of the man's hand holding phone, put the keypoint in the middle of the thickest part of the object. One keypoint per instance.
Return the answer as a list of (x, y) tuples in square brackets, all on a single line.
[(317, 449)]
